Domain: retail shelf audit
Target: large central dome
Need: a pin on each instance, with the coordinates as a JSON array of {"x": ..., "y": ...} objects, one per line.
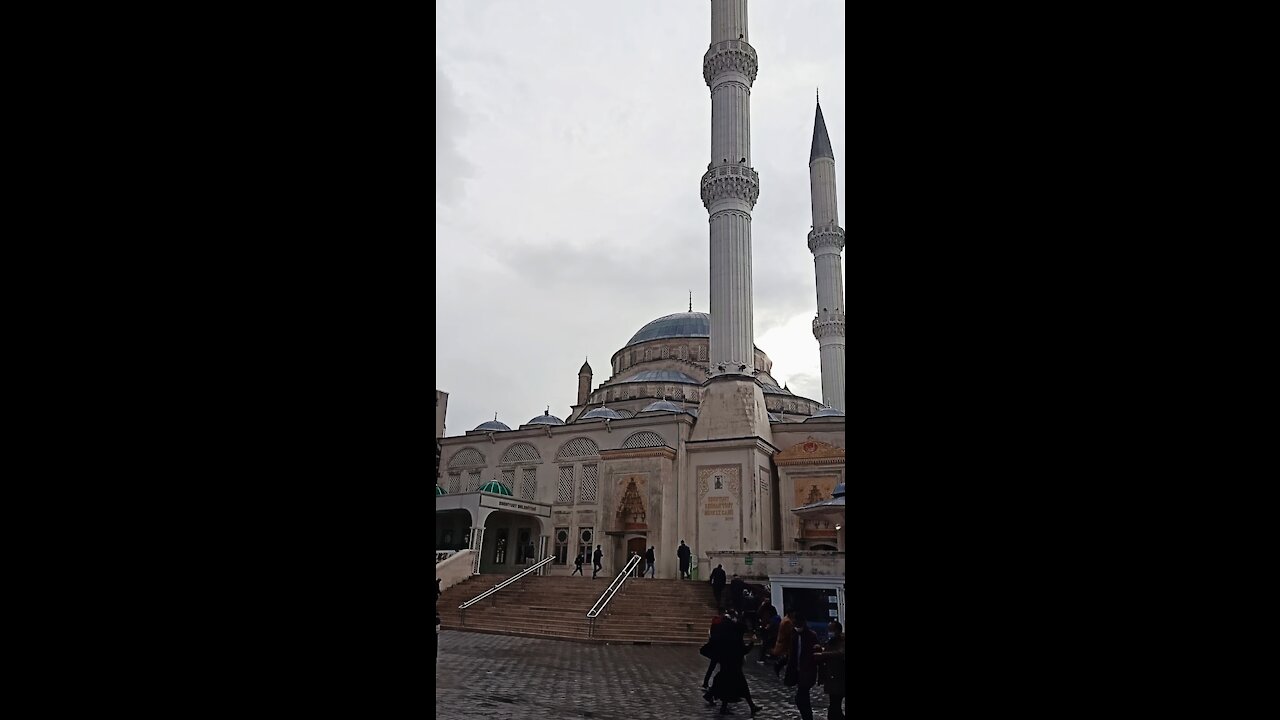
[{"x": 685, "y": 324}]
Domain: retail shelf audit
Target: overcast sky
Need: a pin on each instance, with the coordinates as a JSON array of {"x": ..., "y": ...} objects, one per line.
[{"x": 570, "y": 139}]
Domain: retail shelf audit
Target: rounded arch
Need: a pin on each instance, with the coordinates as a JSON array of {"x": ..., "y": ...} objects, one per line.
[
  {"x": 465, "y": 457},
  {"x": 823, "y": 547},
  {"x": 577, "y": 447},
  {"x": 644, "y": 439},
  {"x": 521, "y": 452}
]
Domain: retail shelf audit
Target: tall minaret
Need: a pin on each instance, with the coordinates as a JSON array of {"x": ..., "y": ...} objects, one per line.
[
  {"x": 826, "y": 240},
  {"x": 730, "y": 188}
]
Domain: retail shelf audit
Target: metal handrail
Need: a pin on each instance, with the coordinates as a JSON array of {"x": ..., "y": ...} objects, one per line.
[
  {"x": 506, "y": 582},
  {"x": 613, "y": 588}
]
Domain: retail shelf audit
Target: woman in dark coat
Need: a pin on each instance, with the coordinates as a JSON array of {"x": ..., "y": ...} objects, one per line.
[{"x": 730, "y": 685}]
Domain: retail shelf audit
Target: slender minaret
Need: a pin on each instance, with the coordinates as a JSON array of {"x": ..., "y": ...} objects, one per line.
[
  {"x": 734, "y": 402},
  {"x": 730, "y": 187},
  {"x": 826, "y": 240}
]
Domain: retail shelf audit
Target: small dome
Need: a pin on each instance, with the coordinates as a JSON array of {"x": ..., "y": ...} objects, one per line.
[
  {"x": 492, "y": 425},
  {"x": 441, "y": 491},
  {"x": 775, "y": 390},
  {"x": 600, "y": 413},
  {"x": 825, "y": 412},
  {"x": 495, "y": 487},
  {"x": 662, "y": 406},
  {"x": 545, "y": 420}
]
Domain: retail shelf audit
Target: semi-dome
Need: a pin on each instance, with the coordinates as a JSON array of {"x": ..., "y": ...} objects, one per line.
[
  {"x": 826, "y": 412},
  {"x": 674, "y": 376},
  {"x": 685, "y": 324},
  {"x": 494, "y": 424},
  {"x": 441, "y": 491},
  {"x": 495, "y": 487},
  {"x": 662, "y": 406},
  {"x": 546, "y": 419},
  {"x": 600, "y": 413}
]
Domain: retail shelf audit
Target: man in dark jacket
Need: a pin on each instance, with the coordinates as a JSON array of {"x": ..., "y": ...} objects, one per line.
[
  {"x": 717, "y": 583},
  {"x": 802, "y": 667},
  {"x": 596, "y": 562},
  {"x": 683, "y": 554},
  {"x": 832, "y": 661},
  {"x": 650, "y": 557},
  {"x": 577, "y": 565}
]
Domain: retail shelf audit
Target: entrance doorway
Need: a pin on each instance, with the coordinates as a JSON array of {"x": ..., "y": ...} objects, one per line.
[{"x": 636, "y": 545}]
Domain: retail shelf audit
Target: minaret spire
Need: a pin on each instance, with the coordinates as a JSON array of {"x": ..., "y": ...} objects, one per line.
[{"x": 826, "y": 241}]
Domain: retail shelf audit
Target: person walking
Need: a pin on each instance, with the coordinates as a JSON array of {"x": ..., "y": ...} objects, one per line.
[
  {"x": 650, "y": 558},
  {"x": 786, "y": 635},
  {"x": 683, "y": 554},
  {"x": 711, "y": 648},
  {"x": 717, "y": 584},
  {"x": 769, "y": 636},
  {"x": 577, "y": 565},
  {"x": 730, "y": 685},
  {"x": 735, "y": 593},
  {"x": 596, "y": 562},
  {"x": 831, "y": 660},
  {"x": 802, "y": 669}
]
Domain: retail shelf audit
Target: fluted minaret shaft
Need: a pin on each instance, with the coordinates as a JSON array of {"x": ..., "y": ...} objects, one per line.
[
  {"x": 826, "y": 240},
  {"x": 730, "y": 187}
]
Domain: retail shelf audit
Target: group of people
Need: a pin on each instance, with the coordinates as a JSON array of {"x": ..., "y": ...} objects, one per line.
[
  {"x": 788, "y": 642},
  {"x": 646, "y": 567}
]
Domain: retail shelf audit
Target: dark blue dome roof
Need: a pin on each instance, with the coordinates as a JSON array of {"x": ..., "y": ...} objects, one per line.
[
  {"x": 492, "y": 425},
  {"x": 685, "y": 324},
  {"x": 545, "y": 420}
]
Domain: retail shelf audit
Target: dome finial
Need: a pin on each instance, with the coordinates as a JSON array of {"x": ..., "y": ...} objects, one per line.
[
  {"x": 690, "y": 301},
  {"x": 548, "y": 412},
  {"x": 495, "y": 416},
  {"x": 816, "y": 97}
]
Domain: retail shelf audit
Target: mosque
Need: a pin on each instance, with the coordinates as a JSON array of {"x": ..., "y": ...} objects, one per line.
[{"x": 690, "y": 438}]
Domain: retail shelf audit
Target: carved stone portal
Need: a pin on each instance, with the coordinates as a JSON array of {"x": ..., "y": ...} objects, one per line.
[{"x": 631, "y": 512}]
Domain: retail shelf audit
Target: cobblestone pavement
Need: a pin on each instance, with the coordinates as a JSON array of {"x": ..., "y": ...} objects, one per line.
[{"x": 498, "y": 676}]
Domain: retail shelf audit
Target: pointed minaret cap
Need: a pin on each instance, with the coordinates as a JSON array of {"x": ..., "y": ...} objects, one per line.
[
  {"x": 821, "y": 147},
  {"x": 585, "y": 369}
]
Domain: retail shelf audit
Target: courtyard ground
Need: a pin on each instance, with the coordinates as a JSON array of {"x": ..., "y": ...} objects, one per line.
[{"x": 504, "y": 677}]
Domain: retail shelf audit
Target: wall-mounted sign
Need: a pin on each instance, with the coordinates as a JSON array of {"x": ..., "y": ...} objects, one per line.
[{"x": 517, "y": 506}]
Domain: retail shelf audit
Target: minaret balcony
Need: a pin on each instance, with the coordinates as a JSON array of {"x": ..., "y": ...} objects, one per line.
[
  {"x": 730, "y": 56},
  {"x": 730, "y": 181},
  {"x": 830, "y": 323},
  {"x": 826, "y": 236}
]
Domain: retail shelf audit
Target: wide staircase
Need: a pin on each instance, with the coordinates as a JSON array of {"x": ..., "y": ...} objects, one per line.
[{"x": 645, "y": 611}]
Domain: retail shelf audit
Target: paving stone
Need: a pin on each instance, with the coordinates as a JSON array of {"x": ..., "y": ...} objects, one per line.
[{"x": 506, "y": 677}]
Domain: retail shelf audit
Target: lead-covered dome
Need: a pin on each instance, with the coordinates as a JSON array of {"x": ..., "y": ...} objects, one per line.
[
  {"x": 600, "y": 413},
  {"x": 825, "y": 413},
  {"x": 546, "y": 419},
  {"x": 492, "y": 425},
  {"x": 662, "y": 406},
  {"x": 685, "y": 324}
]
